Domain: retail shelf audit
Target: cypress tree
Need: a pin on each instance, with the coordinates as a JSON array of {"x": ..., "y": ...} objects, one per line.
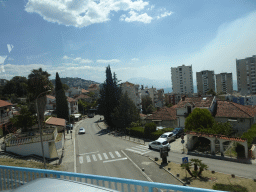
[{"x": 61, "y": 99}]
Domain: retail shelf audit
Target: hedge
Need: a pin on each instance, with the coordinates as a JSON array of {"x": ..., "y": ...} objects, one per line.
[
  {"x": 229, "y": 187},
  {"x": 136, "y": 132}
]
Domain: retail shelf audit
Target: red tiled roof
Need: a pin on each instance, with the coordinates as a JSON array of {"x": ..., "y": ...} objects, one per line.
[
  {"x": 4, "y": 103},
  {"x": 50, "y": 96},
  {"x": 71, "y": 99},
  {"x": 165, "y": 114},
  {"x": 196, "y": 102},
  {"x": 82, "y": 97},
  {"x": 217, "y": 136},
  {"x": 84, "y": 91},
  {"x": 93, "y": 86},
  {"x": 56, "y": 121},
  {"x": 234, "y": 110}
]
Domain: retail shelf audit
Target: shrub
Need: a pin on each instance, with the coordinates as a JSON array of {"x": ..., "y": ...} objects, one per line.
[
  {"x": 149, "y": 128},
  {"x": 136, "y": 132},
  {"x": 250, "y": 135},
  {"x": 229, "y": 187}
]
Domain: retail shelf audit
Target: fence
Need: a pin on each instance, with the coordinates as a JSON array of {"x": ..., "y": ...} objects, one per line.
[{"x": 13, "y": 177}]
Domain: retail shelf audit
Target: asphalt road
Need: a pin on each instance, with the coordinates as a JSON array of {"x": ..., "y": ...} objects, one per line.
[{"x": 100, "y": 154}]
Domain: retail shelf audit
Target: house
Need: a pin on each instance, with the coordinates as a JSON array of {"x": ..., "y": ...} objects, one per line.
[
  {"x": 188, "y": 104},
  {"x": 133, "y": 93},
  {"x": 59, "y": 123},
  {"x": 165, "y": 116},
  {"x": 241, "y": 117},
  {"x": 72, "y": 105},
  {"x": 95, "y": 88},
  {"x": 73, "y": 91},
  {"x": 50, "y": 102},
  {"x": 5, "y": 115},
  {"x": 83, "y": 97}
]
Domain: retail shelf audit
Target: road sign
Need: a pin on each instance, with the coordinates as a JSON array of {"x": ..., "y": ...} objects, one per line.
[
  {"x": 182, "y": 141},
  {"x": 184, "y": 160}
]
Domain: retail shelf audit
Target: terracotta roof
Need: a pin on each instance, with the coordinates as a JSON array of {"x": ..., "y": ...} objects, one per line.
[
  {"x": 196, "y": 102},
  {"x": 50, "y": 96},
  {"x": 56, "y": 121},
  {"x": 127, "y": 83},
  {"x": 84, "y": 91},
  {"x": 165, "y": 114},
  {"x": 71, "y": 99},
  {"x": 82, "y": 97},
  {"x": 217, "y": 136},
  {"x": 93, "y": 86},
  {"x": 4, "y": 103},
  {"x": 230, "y": 109}
]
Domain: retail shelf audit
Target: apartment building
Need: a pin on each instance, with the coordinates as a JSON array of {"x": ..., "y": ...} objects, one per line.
[
  {"x": 182, "y": 79},
  {"x": 205, "y": 81},
  {"x": 246, "y": 82},
  {"x": 224, "y": 83},
  {"x": 133, "y": 93},
  {"x": 151, "y": 92}
]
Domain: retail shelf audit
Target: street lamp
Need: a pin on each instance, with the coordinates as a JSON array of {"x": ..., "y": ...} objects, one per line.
[{"x": 39, "y": 125}]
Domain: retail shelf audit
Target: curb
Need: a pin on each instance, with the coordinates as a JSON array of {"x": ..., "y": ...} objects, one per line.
[{"x": 168, "y": 172}]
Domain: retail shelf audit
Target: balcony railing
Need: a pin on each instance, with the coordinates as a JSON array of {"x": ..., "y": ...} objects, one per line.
[{"x": 13, "y": 177}]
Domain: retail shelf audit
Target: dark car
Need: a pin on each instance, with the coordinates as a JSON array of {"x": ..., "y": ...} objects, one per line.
[{"x": 178, "y": 132}]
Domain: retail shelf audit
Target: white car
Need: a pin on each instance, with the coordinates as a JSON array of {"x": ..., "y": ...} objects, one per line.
[
  {"x": 81, "y": 131},
  {"x": 169, "y": 136},
  {"x": 158, "y": 144}
]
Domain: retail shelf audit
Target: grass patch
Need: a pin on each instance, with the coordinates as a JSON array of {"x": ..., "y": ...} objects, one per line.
[
  {"x": 59, "y": 137},
  {"x": 29, "y": 164},
  {"x": 209, "y": 179}
]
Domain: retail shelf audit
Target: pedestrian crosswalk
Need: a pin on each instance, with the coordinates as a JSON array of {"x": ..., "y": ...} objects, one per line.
[
  {"x": 95, "y": 156},
  {"x": 140, "y": 149}
]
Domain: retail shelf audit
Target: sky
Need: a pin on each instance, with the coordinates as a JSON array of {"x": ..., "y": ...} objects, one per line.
[{"x": 138, "y": 39}]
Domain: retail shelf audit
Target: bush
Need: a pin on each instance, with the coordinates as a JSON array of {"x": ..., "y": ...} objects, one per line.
[
  {"x": 229, "y": 187},
  {"x": 136, "y": 132},
  {"x": 155, "y": 135},
  {"x": 149, "y": 128},
  {"x": 250, "y": 135}
]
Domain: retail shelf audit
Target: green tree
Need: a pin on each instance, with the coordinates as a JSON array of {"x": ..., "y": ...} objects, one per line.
[
  {"x": 61, "y": 99},
  {"x": 211, "y": 92},
  {"x": 150, "y": 109},
  {"x": 110, "y": 94},
  {"x": 125, "y": 113},
  {"x": 199, "y": 119},
  {"x": 25, "y": 120},
  {"x": 38, "y": 85},
  {"x": 65, "y": 87},
  {"x": 17, "y": 85},
  {"x": 197, "y": 165},
  {"x": 146, "y": 102},
  {"x": 149, "y": 128}
]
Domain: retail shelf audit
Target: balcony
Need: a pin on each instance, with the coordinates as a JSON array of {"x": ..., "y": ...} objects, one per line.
[{"x": 14, "y": 177}]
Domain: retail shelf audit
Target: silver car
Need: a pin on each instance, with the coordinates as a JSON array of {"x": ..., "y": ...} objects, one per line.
[
  {"x": 158, "y": 144},
  {"x": 169, "y": 136},
  {"x": 81, "y": 131}
]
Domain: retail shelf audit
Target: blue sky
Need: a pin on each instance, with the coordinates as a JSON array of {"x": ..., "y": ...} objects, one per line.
[{"x": 138, "y": 39}]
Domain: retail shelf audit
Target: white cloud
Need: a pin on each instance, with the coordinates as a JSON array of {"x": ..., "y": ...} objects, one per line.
[
  {"x": 85, "y": 61},
  {"x": 81, "y": 13},
  {"x": 77, "y": 59},
  {"x": 10, "y": 47},
  {"x": 165, "y": 14},
  {"x": 108, "y": 61},
  {"x": 2, "y": 59},
  {"x": 135, "y": 59},
  {"x": 145, "y": 18},
  {"x": 151, "y": 7},
  {"x": 65, "y": 57},
  {"x": 233, "y": 40}
]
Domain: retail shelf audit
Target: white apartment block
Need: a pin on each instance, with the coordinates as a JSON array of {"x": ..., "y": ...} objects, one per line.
[
  {"x": 152, "y": 93},
  {"x": 205, "y": 81},
  {"x": 182, "y": 79},
  {"x": 246, "y": 81},
  {"x": 133, "y": 93},
  {"x": 224, "y": 83}
]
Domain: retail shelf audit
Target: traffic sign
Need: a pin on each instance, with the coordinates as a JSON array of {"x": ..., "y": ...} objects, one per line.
[
  {"x": 182, "y": 141},
  {"x": 184, "y": 160}
]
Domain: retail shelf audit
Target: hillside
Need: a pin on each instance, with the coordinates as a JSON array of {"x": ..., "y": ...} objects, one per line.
[{"x": 76, "y": 82}]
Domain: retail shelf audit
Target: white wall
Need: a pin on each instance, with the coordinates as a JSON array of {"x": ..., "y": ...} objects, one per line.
[{"x": 31, "y": 148}]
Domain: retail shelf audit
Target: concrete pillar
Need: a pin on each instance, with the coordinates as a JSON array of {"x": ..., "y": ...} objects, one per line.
[
  {"x": 212, "y": 145},
  {"x": 221, "y": 147}
]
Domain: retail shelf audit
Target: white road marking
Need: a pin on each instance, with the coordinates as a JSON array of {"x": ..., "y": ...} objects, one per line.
[
  {"x": 145, "y": 152},
  {"x": 114, "y": 160},
  {"x": 140, "y": 146},
  {"x": 118, "y": 154},
  {"x": 105, "y": 155},
  {"x": 100, "y": 157},
  {"x": 88, "y": 159},
  {"x": 94, "y": 157},
  {"x": 89, "y": 153},
  {"x": 81, "y": 159},
  {"x": 111, "y": 155},
  {"x": 135, "y": 151}
]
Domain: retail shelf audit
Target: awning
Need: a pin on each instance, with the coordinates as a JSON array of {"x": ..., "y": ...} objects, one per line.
[{"x": 77, "y": 115}]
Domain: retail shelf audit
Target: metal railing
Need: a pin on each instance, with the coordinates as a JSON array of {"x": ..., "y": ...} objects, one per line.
[{"x": 13, "y": 177}]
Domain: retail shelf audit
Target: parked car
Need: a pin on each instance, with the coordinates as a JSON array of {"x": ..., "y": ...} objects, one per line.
[
  {"x": 160, "y": 127},
  {"x": 91, "y": 115},
  {"x": 81, "y": 131},
  {"x": 169, "y": 136},
  {"x": 158, "y": 144},
  {"x": 178, "y": 132}
]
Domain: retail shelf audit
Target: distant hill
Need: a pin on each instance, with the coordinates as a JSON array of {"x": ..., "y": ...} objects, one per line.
[{"x": 76, "y": 82}]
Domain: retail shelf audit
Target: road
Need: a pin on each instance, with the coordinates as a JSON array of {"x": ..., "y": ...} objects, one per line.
[{"x": 100, "y": 154}]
